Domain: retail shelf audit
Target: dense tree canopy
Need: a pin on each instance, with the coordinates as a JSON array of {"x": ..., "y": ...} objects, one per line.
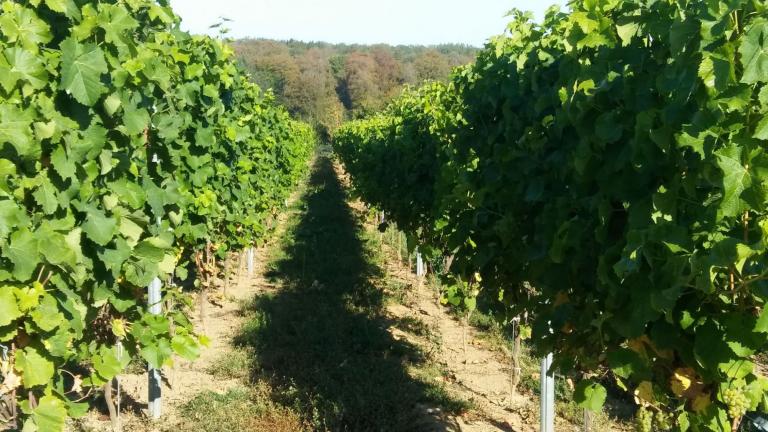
[{"x": 326, "y": 83}]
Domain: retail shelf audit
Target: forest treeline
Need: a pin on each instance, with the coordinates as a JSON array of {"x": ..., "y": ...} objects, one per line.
[{"x": 327, "y": 83}]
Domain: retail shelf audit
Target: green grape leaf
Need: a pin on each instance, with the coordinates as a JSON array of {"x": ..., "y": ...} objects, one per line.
[
  {"x": 761, "y": 326},
  {"x": 61, "y": 250},
  {"x": 607, "y": 128},
  {"x": 50, "y": 414},
  {"x": 737, "y": 369},
  {"x": 89, "y": 145},
  {"x": 626, "y": 363},
  {"x": 136, "y": 120},
  {"x": 590, "y": 395},
  {"x": 152, "y": 249},
  {"x": 47, "y": 315},
  {"x": 156, "y": 355},
  {"x": 761, "y": 131},
  {"x": 45, "y": 195},
  {"x": 99, "y": 227},
  {"x": 26, "y": 66},
  {"x": 82, "y": 66},
  {"x": 112, "y": 103},
  {"x": 59, "y": 6},
  {"x": 108, "y": 364},
  {"x": 9, "y": 309},
  {"x": 23, "y": 251},
  {"x": 62, "y": 165},
  {"x": 186, "y": 346},
  {"x": 29, "y": 297},
  {"x": 15, "y": 129},
  {"x": 11, "y": 216},
  {"x": 754, "y": 52},
  {"x": 710, "y": 348},
  {"x": 34, "y": 369},
  {"x": 129, "y": 192},
  {"x": 716, "y": 72},
  {"x": 22, "y": 25},
  {"x": 60, "y": 343},
  {"x": 117, "y": 23},
  {"x": 736, "y": 179}
]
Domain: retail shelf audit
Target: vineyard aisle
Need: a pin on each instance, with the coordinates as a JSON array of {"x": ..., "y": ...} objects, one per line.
[{"x": 332, "y": 332}]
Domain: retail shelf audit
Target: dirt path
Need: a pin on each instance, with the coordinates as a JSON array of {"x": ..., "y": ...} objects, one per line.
[
  {"x": 472, "y": 371},
  {"x": 416, "y": 346}
]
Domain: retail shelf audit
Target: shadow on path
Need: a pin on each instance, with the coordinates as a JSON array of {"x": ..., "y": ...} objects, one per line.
[{"x": 322, "y": 340}]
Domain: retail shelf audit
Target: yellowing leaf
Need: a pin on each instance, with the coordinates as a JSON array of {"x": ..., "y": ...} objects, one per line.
[
  {"x": 681, "y": 380},
  {"x": 644, "y": 393},
  {"x": 701, "y": 402}
]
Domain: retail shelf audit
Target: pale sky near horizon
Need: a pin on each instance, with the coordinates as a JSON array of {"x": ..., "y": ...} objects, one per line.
[{"x": 421, "y": 22}]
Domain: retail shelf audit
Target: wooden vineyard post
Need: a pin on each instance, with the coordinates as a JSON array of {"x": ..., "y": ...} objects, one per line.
[
  {"x": 155, "y": 390},
  {"x": 547, "y": 395}
]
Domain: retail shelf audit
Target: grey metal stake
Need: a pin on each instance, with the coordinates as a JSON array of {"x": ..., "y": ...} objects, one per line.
[
  {"x": 419, "y": 264},
  {"x": 251, "y": 254},
  {"x": 155, "y": 389},
  {"x": 547, "y": 395}
]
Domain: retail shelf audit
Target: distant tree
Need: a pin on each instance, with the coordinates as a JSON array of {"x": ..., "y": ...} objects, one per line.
[
  {"x": 432, "y": 65},
  {"x": 314, "y": 95},
  {"x": 271, "y": 66},
  {"x": 389, "y": 72},
  {"x": 360, "y": 82}
]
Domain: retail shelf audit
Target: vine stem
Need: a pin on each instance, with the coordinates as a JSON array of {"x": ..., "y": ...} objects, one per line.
[
  {"x": 203, "y": 287},
  {"x": 732, "y": 282},
  {"x": 240, "y": 265},
  {"x": 745, "y": 226},
  {"x": 735, "y": 425},
  {"x": 227, "y": 265},
  {"x": 516, "y": 370},
  {"x": 107, "y": 388}
]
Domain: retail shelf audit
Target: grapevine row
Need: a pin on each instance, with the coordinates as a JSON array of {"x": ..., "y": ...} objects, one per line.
[
  {"x": 603, "y": 172},
  {"x": 129, "y": 150}
]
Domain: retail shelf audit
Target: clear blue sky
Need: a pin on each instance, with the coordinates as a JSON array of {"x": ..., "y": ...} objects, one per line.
[{"x": 359, "y": 21}]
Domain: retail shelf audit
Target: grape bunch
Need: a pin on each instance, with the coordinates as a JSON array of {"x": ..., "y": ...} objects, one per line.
[
  {"x": 737, "y": 402},
  {"x": 644, "y": 420},
  {"x": 662, "y": 421}
]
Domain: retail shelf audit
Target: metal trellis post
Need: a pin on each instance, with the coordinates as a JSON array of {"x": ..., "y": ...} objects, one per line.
[
  {"x": 155, "y": 389},
  {"x": 547, "y": 395},
  {"x": 251, "y": 257}
]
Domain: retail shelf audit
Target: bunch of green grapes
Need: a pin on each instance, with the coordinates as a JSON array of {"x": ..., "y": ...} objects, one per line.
[
  {"x": 663, "y": 421},
  {"x": 644, "y": 420},
  {"x": 737, "y": 402}
]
